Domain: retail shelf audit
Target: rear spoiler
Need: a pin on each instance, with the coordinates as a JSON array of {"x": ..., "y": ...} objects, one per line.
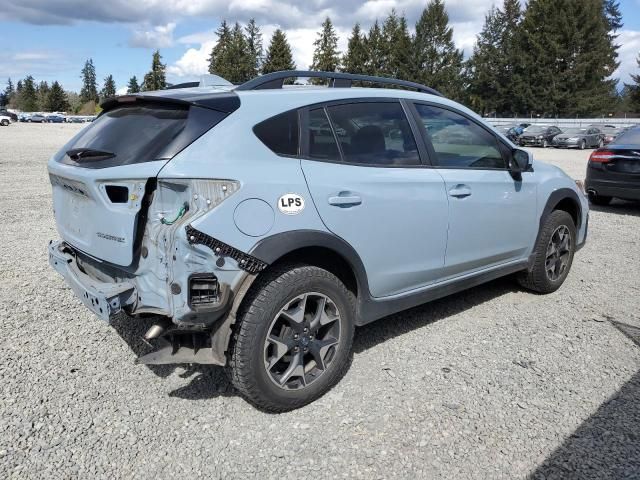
[{"x": 223, "y": 101}]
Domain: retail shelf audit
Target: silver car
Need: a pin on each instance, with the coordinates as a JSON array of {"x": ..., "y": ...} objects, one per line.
[{"x": 583, "y": 137}]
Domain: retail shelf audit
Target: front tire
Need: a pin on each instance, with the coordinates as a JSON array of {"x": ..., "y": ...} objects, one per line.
[
  {"x": 545, "y": 144},
  {"x": 583, "y": 145},
  {"x": 293, "y": 339},
  {"x": 553, "y": 254}
]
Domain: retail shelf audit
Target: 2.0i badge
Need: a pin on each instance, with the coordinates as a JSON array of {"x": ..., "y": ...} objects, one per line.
[{"x": 291, "y": 204}]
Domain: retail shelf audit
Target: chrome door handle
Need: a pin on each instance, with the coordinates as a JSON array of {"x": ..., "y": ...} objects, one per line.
[
  {"x": 345, "y": 200},
  {"x": 460, "y": 191}
]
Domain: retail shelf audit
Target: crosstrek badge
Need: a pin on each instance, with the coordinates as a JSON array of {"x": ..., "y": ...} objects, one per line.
[{"x": 291, "y": 204}]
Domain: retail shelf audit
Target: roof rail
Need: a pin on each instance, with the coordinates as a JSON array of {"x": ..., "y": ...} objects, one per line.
[{"x": 276, "y": 80}]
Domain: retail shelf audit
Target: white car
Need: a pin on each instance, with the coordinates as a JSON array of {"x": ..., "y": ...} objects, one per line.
[{"x": 5, "y": 120}]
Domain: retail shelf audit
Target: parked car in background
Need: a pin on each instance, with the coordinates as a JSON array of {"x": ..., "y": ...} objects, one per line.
[
  {"x": 579, "y": 137},
  {"x": 23, "y": 117},
  {"x": 614, "y": 171},
  {"x": 611, "y": 134},
  {"x": 37, "y": 118},
  {"x": 5, "y": 120},
  {"x": 538, "y": 136},
  {"x": 512, "y": 132},
  {"x": 54, "y": 118},
  {"x": 75, "y": 119},
  {"x": 12, "y": 116}
]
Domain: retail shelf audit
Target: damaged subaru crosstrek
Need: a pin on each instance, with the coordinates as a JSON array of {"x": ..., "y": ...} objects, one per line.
[{"x": 260, "y": 225}]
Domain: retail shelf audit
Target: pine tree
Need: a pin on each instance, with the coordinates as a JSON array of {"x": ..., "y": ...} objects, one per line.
[
  {"x": 89, "y": 90},
  {"x": 437, "y": 61},
  {"x": 133, "y": 86},
  {"x": 156, "y": 78},
  {"x": 634, "y": 90},
  {"x": 42, "y": 92},
  {"x": 612, "y": 14},
  {"x": 375, "y": 51},
  {"x": 9, "y": 92},
  {"x": 109, "y": 88},
  {"x": 240, "y": 63},
  {"x": 570, "y": 58},
  {"x": 494, "y": 82},
  {"x": 57, "y": 100},
  {"x": 356, "y": 58},
  {"x": 254, "y": 48},
  {"x": 220, "y": 60},
  {"x": 396, "y": 47},
  {"x": 326, "y": 57},
  {"x": 28, "y": 98},
  {"x": 278, "y": 55}
]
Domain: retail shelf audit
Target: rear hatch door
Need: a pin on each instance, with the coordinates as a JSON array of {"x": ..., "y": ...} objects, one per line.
[{"x": 100, "y": 178}]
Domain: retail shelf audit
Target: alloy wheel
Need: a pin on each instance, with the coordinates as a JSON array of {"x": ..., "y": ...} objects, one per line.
[
  {"x": 558, "y": 253},
  {"x": 302, "y": 341}
]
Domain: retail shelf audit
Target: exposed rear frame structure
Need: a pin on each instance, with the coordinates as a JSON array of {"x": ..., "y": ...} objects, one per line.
[{"x": 276, "y": 80}]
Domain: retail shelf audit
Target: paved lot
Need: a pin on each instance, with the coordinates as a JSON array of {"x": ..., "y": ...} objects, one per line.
[{"x": 490, "y": 383}]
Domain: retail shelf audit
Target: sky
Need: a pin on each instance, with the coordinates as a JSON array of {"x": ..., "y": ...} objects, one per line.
[{"x": 51, "y": 39}]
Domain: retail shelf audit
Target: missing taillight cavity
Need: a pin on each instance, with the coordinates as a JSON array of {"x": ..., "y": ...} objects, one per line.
[{"x": 117, "y": 193}]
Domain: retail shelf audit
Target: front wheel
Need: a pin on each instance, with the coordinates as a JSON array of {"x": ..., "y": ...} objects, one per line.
[
  {"x": 545, "y": 144},
  {"x": 583, "y": 145},
  {"x": 553, "y": 254},
  {"x": 293, "y": 339},
  {"x": 5, "y": 123}
]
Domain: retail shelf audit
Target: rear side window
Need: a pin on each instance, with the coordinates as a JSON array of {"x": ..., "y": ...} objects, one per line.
[
  {"x": 374, "y": 134},
  {"x": 458, "y": 142},
  {"x": 138, "y": 132},
  {"x": 280, "y": 133},
  {"x": 322, "y": 143}
]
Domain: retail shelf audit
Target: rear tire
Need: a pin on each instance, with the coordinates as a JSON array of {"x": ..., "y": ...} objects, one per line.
[
  {"x": 553, "y": 254},
  {"x": 5, "y": 123},
  {"x": 293, "y": 339},
  {"x": 600, "y": 200}
]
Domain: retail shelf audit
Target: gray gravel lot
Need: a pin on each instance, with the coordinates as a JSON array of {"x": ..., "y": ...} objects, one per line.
[{"x": 490, "y": 383}]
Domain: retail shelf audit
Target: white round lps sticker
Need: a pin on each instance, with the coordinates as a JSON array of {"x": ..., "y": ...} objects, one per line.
[{"x": 291, "y": 204}]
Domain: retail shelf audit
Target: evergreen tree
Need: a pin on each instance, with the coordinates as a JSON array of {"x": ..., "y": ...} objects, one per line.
[
  {"x": 156, "y": 78},
  {"x": 9, "y": 92},
  {"x": 28, "y": 98},
  {"x": 279, "y": 55},
  {"x": 396, "y": 47},
  {"x": 612, "y": 14},
  {"x": 633, "y": 90},
  {"x": 109, "y": 88},
  {"x": 375, "y": 51},
  {"x": 220, "y": 60},
  {"x": 240, "y": 64},
  {"x": 42, "y": 92},
  {"x": 254, "y": 48},
  {"x": 326, "y": 57},
  {"x": 133, "y": 86},
  {"x": 356, "y": 58},
  {"x": 89, "y": 90},
  {"x": 570, "y": 58},
  {"x": 437, "y": 61},
  {"x": 495, "y": 84},
  {"x": 57, "y": 100}
]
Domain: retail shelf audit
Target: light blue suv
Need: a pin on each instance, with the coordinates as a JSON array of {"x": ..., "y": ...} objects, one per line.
[{"x": 262, "y": 224}]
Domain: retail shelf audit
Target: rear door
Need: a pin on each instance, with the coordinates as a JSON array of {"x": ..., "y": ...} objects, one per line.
[
  {"x": 492, "y": 217},
  {"x": 100, "y": 177},
  {"x": 365, "y": 175}
]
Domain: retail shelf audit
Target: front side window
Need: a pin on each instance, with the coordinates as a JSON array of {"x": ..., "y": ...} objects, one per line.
[
  {"x": 376, "y": 134},
  {"x": 280, "y": 133},
  {"x": 458, "y": 142}
]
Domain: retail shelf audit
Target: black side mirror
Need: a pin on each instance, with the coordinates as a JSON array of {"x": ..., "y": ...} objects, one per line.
[{"x": 519, "y": 162}]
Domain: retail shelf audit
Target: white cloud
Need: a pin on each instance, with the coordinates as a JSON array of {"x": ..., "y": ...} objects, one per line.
[
  {"x": 629, "y": 41},
  {"x": 160, "y": 36},
  {"x": 193, "y": 62},
  {"x": 121, "y": 91}
]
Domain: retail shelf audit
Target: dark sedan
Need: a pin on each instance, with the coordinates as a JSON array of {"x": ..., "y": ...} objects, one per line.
[
  {"x": 581, "y": 138},
  {"x": 614, "y": 171},
  {"x": 538, "y": 136}
]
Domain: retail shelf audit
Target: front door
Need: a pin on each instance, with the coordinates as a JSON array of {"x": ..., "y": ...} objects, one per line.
[{"x": 492, "y": 217}]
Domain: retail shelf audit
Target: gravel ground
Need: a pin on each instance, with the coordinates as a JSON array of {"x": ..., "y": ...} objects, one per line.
[{"x": 490, "y": 383}]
